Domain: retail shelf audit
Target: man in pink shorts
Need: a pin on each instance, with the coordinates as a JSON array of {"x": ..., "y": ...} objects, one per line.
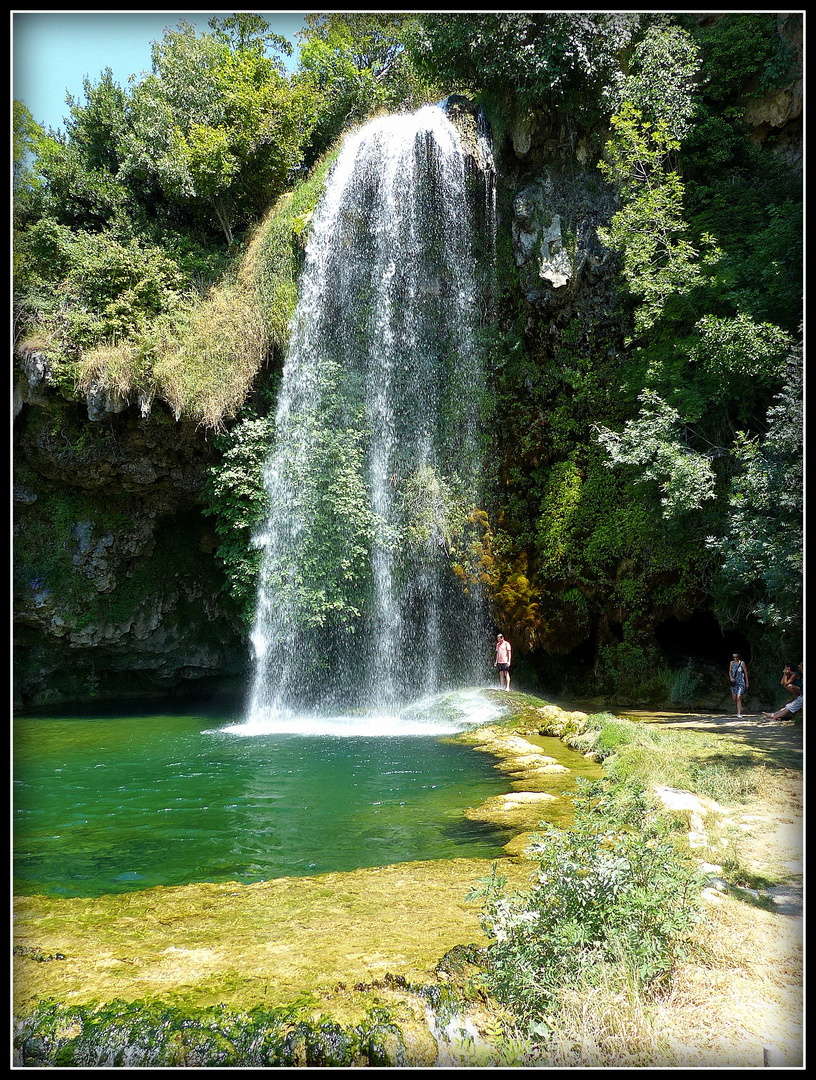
[{"x": 502, "y": 662}]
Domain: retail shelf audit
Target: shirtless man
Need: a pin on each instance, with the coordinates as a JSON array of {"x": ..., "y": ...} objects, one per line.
[
  {"x": 795, "y": 706},
  {"x": 792, "y": 682},
  {"x": 503, "y": 653}
]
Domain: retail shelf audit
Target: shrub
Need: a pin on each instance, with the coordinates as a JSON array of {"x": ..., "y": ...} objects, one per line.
[
  {"x": 681, "y": 686},
  {"x": 613, "y": 893}
]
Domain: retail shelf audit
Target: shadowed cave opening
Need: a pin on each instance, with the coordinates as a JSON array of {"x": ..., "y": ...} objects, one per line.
[{"x": 701, "y": 639}]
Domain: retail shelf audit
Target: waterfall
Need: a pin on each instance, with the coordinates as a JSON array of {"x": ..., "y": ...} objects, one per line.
[{"x": 376, "y": 459}]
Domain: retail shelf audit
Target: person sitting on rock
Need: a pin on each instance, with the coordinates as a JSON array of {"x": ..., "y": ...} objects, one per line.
[
  {"x": 793, "y": 707},
  {"x": 792, "y": 682}
]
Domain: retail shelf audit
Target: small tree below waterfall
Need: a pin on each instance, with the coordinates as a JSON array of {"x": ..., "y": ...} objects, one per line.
[{"x": 236, "y": 499}]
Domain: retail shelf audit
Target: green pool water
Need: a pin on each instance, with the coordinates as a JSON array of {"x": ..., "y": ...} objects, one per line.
[{"x": 105, "y": 804}]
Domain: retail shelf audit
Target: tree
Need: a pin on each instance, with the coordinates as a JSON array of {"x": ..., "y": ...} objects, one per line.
[
  {"x": 236, "y": 498},
  {"x": 662, "y": 79},
  {"x": 373, "y": 42},
  {"x": 692, "y": 357},
  {"x": 26, "y": 134},
  {"x": 650, "y": 231},
  {"x": 530, "y": 60},
  {"x": 246, "y": 32},
  {"x": 654, "y": 445},
  {"x": 77, "y": 172},
  {"x": 96, "y": 126},
  {"x": 761, "y": 550},
  {"x": 216, "y": 127},
  {"x": 358, "y": 62}
]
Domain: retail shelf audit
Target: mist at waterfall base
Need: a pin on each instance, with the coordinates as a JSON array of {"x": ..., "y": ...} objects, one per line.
[{"x": 377, "y": 457}]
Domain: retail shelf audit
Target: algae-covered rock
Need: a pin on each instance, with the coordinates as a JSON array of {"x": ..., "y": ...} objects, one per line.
[
  {"x": 517, "y": 810},
  {"x": 147, "y": 1034}
]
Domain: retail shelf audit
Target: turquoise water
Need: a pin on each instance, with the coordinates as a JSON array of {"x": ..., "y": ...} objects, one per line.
[{"x": 107, "y": 804}]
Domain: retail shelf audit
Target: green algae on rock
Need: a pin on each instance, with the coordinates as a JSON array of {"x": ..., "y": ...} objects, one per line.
[
  {"x": 542, "y": 749},
  {"x": 138, "y": 1034}
]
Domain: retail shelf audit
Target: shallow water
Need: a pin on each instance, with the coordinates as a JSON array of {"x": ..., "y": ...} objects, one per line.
[{"x": 112, "y": 803}]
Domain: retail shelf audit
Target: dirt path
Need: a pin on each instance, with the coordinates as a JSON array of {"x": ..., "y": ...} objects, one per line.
[{"x": 752, "y": 728}]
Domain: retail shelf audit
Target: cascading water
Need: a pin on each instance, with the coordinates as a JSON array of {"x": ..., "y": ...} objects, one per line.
[{"x": 376, "y": 458}]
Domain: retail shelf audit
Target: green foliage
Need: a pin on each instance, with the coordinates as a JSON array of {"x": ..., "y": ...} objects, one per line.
[
  {"x": 75, "y": 173},
  {"x": 91, "y": 288},
  {"x": 682, "y": 685},
  {"x": 247, "y": 32},
  {"x": 742, "y": 53},
  {"x": 650, "y": 231},
  {"x": 614, "y": 893},
  {"x": 709, "y": 356},
  {"x": 236, "y": 498},
  {"x": 630, "y": 668},
  {"x": 359, "y": 63},
  {"x": 738, "y": 357},
  {"x": 434, "y": 513},
  {"x": 529, "y": 60},
  {"x": 371, "y": 42},
  {"x": 558, "y": 509},
  {"x": 761, "y": 550},
  {"x": 736, "y": 190},
  {"x": 26, "y": 136},
  {"x": 138, "y": 324},
  {"x": 661, "y": 81},
  {"x": 215, "y": 126},
  {"x": 325, "y": 578},
  {"x": 278, "y": 250},
  {"x": 767, "y": 281},
  {"x": 653, "y": 445},
  {"x": 211, "y": 135},
  {"x": 110, "y": 249}
]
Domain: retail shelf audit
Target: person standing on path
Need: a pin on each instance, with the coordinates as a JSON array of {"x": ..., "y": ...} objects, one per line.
[
  {"x": 504, "y": 651},
  {"x": 738, "y": 677}
]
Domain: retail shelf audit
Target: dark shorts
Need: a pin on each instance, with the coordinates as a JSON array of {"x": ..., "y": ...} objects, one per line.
[{"x": 503, "y": 667}]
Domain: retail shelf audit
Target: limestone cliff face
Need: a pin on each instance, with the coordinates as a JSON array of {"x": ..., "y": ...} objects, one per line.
[
  {"x": 116, "y": 587},
  {"x": 775, "y": 117}
]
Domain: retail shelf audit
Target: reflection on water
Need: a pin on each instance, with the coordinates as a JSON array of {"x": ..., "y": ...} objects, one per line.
[{"x": 107, "y": 804}]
